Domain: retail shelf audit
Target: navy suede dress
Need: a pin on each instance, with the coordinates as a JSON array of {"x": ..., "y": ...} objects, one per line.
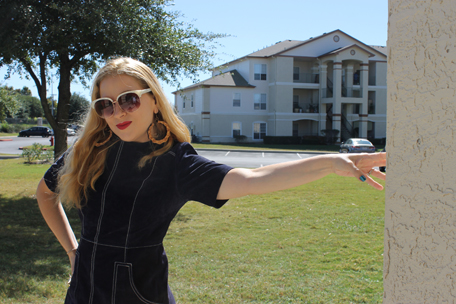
[{"x": 120, "y": 258}]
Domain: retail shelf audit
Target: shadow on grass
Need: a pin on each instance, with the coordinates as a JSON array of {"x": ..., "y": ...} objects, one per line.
[{"x": 30, "y": 255}]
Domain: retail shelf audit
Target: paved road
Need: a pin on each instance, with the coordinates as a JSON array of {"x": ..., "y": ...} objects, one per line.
[
  {"x": 246, "y": 159},
  {"x": 240, "y": 159},
  {"x": 12, "y": 147}
]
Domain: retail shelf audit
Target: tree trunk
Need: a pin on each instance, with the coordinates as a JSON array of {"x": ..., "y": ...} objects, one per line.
[{"x": 63, "y": 106}]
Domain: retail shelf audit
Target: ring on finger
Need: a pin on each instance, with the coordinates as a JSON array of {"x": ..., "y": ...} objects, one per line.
[{"x": 370, "y": 172}]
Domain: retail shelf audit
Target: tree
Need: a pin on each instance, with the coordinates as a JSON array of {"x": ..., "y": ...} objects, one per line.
[
  {"x": 76, "y": 36},
  {"x": 79, "y": 106},
  {"x": 30, "y": 106},
  {"x": 8, "y": 103}
]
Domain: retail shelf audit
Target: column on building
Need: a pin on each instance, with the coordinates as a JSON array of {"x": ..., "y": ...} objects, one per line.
[
  {"x": 349, "y": 78},
  {"x": 363, "y": 116},
  {"x": 323, "y": 77},
  {"x": 206, "y": 116},
  {"x": 337, "y": 93}
]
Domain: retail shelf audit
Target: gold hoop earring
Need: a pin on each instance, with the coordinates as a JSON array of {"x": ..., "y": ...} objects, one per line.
[
  {"x": 102, "y": 143},
  {"x": 164, "y": 139}
]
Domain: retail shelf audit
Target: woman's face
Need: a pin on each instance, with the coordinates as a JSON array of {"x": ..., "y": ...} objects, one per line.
[{"x": 129, "y": 126}]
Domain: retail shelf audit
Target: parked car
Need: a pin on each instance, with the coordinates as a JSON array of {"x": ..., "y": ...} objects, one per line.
[
  {"x": 357, "y": 145},
  {"x": 71, "y": 132},
  {"x": 36, "y": 131}
]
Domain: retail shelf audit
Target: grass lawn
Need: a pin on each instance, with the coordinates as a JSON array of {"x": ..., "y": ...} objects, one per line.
[{"x": 318, "y": 243}]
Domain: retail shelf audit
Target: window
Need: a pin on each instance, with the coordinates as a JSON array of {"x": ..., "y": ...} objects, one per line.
[
  {"x": 259, "y": 102},
  {"x": 259, "y": 130},
  {"x": 236, "y": 99},
  {"x": 183, "y": 103},
  {"x": 296, "y": 73},
  {"x": 260, "y": 72},
  {"x": 236, "y": 129},
  {"x": 191, "y": 101}
]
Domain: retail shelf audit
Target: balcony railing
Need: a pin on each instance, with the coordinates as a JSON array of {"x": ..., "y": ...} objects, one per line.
[
  {"x": 326, "y": 93},
  {"x": 305, "y": 108},
  {"x": 306, "y": 78},
  {"x": 351, "y": 92}
]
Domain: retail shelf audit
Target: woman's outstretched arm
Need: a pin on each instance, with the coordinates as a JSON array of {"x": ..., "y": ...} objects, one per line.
[
  {"x": 55, "y": 217},
  {"x": 239, "y": 182}
]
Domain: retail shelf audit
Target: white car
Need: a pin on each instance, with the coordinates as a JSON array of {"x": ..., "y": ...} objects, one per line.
[
  {"x": 357, "y": 145},
  {"x": 71, "y": 132}
]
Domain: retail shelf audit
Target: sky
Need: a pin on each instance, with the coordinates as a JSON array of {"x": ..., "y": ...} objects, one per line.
[{"x": 256, "y": 24}]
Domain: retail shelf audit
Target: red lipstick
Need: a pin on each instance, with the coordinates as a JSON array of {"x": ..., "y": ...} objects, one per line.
[{"x": 123, "y": 125}]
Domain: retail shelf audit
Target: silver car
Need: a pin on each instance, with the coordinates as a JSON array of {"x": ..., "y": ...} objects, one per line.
[{"x": 357, "y": 145}]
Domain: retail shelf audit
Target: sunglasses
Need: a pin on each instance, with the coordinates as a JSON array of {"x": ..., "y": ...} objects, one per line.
[{"x": 128, "y": 102}]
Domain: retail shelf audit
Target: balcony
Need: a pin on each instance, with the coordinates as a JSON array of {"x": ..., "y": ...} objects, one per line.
[
  {"x": 354, "y": 92},
  {"x": 305, "y": 108},
  {"x": 306, "y": 78}
]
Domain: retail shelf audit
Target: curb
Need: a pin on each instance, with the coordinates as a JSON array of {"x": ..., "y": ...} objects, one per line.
[
  {"x": 22, "y": 148},
  {"x": 9, "y": 156}
]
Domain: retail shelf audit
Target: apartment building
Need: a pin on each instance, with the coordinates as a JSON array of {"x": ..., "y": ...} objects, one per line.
[{"x": 292, "y": 88}]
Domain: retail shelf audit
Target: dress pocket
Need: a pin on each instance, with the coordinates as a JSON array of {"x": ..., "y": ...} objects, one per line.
[
  {"x": 74, "y": 276},
  {"x": 124, "y": 289}
]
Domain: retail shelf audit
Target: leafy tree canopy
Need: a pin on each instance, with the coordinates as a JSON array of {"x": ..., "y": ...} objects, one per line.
[
  {"x": 76, "y": 36},
  {"x": 79, "y": 106},
  {"x": 8, "y": 103}
]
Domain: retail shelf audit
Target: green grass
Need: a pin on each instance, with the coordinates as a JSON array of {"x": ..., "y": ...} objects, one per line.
[{"x": 318, "y": 243}]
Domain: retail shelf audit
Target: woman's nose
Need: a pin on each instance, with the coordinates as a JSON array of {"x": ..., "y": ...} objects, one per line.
[{"x": 118, "y": 111}]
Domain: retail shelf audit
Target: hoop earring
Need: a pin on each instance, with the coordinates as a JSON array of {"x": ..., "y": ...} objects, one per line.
[
  {"x": 102, "y": 143},
  {"x": 164, "y": 139}
]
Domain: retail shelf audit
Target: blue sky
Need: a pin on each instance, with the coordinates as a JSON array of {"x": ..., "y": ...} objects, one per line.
[{"x": 255, "y": 24}]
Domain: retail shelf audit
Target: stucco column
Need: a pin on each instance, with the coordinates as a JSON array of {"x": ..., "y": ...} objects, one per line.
[
  {"x": 337, "y": 92},
  {"x": 364, "y": 79},
  {"x": 337, "y": 80},
  {"x": 349, "y": 77},
  {"x": 206, "y": 117},
  {"x": 420, "y": 209},
  {"x": 323, "y": 77}
]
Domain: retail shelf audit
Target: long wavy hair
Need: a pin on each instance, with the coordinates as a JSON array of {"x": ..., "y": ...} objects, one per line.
[{"x": 84, "y": 162}]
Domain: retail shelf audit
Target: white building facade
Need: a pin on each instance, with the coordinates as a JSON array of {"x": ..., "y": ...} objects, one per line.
[{"x": 293, "y": 88}]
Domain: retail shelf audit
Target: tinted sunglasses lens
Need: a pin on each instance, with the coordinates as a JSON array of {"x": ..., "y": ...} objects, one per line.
[
  {"x": 104, "y": 107},
  {"x": 129, "y": 102}
]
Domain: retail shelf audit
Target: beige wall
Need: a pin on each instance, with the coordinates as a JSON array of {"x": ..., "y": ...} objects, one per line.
[{"x": 420, "y": 215}]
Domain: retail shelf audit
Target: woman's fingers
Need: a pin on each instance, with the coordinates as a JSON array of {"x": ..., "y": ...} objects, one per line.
[{"x": 376, "y": 173}]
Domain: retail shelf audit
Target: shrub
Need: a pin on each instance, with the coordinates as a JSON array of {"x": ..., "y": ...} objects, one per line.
[
  {"x": 37, "y": 153},
  {"x": 240, "y": 138},
  {"x": 4, "y": 128},
  {"x": 331, "y": 135}
]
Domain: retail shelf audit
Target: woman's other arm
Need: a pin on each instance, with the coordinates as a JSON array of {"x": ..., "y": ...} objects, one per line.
[
  {"x": 55, "y": 217},
  {"x": 239, "y": 182}
]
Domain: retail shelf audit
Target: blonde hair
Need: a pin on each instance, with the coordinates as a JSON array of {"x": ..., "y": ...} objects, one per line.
[{"x": 84, "y": 163}]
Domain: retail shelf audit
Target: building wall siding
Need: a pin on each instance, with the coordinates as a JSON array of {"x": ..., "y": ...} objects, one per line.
[{"x": 420, "y": 215}]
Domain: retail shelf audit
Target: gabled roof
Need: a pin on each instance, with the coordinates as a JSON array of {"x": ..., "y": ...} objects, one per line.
[
  {"x": 276, "y": 48},
  {"x": 341, "y": 49},
  {"x": 286, "y": 45},
  {"x": 228, "y": 79},
  {"x": 381, "y": 49}
]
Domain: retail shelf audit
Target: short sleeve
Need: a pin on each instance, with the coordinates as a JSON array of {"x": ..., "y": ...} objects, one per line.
[
  {"x": 51, "y": 175},
  {"x": 198, "y": 178}
]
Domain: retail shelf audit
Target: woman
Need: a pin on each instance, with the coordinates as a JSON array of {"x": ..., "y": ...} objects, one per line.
[{"x": 131, "y": 171}]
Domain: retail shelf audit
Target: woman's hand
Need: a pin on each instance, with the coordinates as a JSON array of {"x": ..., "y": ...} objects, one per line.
[
  {"x": 72, "y": 257},
  {"x": 361, "y": 166}
]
